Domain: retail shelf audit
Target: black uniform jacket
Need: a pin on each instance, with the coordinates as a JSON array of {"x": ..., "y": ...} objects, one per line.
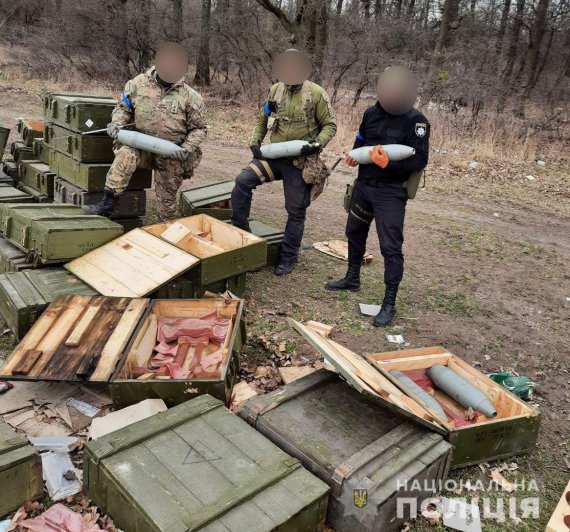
[{"x": 379, "y": 127}]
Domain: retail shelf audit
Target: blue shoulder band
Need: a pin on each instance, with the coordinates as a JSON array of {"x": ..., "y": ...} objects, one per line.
[
  {"x": 266, "y": 109},
  {"x": 360, "y": 137},
  {"x": 127, "y": 102}
]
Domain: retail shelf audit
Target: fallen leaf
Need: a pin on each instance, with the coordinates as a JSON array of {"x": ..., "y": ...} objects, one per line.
[{"x": 501, "y": 481}]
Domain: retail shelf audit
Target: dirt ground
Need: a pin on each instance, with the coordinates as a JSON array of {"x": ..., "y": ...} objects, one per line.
[{"x": 487, "y": 277}]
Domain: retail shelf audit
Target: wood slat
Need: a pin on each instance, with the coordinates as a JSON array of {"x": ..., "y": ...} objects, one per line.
[
  {"x": 27, "y": 363},
  {"x": 82, "y": 325}
]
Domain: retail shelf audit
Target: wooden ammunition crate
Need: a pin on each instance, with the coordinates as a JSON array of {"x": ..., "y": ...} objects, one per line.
[
  {"x": 36, "y": 195},
  {"x": 78, "y": 112},
  {"x": 38, "y": 176},
  {"x": 55, "y": 233},
  {"x": 272, "y": 236},
  {"x": 25, "y": 295},
  {"x": 354, "y": 446},
  {"x": 513, "y": 431},
  {"x": 213, "y": 200},
  {"x": 5, "y": 179},
  {"x": 128, "y": 224},
  {"x": 107, "y": 339},
  {"x": 131, "y": 203},
  {"x": 12, "y": 258},
  {"x": 181, "y": 288},
  {"x": 30, "y": 129},
  {"x": 83, "y": 148},
  {"x": 10, "y": 194},
  {"x": 143, "y": 260},
  {"x": 41, "y": 151},
  {"x": 20, "y": 152},
  {"x": 20, "y": 471},
  {"x": 10, "y": 168},
  {"x": 91, "y": 177},
  {"x": 4, "y": 134},
  {"x": 199, "y": 467}
]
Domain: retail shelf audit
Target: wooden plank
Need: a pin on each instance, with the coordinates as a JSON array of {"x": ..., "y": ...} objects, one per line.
[
  {"x": 292, "y": 373},
  {"x": 560, "y": 522},
  {"x": 82, "y": 325},
  {"x": 118, "y": 341},
  {"x": 30, "y": 358},
  {"x": 175, "y": 233},
  {"x": 322, "y": 328},
  {"x": 147, "y": 343}
]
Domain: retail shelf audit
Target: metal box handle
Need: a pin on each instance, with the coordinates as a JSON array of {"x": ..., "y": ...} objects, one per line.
[
  {"x": 25, "y": 236},
  {"x": 67, "y": 113},
  {"x": 7, "y": 222},
  {"x": 69, "y": 144}
]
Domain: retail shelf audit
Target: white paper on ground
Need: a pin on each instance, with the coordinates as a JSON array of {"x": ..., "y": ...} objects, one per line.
[
  {"x": 54, "y": 466},
  {"x": 395, "y": 338},
  {"x": 53, "y": 443},
  {"x": 127, "y": 416},
  {"x": 369, "y": 310},
  {"x": 461, "y": 515},
  {"x": 83, "y": 407}
]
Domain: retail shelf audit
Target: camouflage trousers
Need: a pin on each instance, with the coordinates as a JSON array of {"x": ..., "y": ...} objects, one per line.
[{"x": 168, "y": 176}]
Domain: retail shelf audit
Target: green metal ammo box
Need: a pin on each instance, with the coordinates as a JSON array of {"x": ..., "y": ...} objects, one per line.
[
  {"x": 20, "y": 152},
  {"x": 10, "y": 194},
  {"x": 4, "y": 134},
  {"x": 131, "y": 203},
  {"x": 25, "y": 295},
  {"x": 182, "y": 288},
  {"x": 513, "y": 431},
  {"x": 91, "y": 177},
  {"x": 78, "y": 112},
  {"x": 20, "y": 471},
  {"x": 112, "y": 339},
  {"x": 10, "y": 168},
  {"x": 213, "y": 200},
  {"x": 272, "y": 235},
  {"x": 354, "y": 446},
  {"x": 200, "y": 467},
  {"x": 12, "y": 258},
  {"x": 55, "y": 233},
  {"x": 30, "y": 129},
  {"x": 37, "y": 175},
  {"x": 5, "y": 179},
  {"x": 41, "y": 151},
  {"x": 82, "y": 148},
  {"x": 37, "y": 196}
]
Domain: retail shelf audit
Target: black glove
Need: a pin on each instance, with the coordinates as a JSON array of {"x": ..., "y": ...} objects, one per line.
[
  {"x": 309, "y": 149},
  {"x": 270, "y": 107},
  {"x": 256, "y": 152}
]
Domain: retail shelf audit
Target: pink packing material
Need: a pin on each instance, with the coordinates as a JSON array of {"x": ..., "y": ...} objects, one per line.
[
  {"x": 187, "y": 327},
  {"x": 157, "y": 361},
  {"x": 176, "y": 371},
  {"x": 58, "y": 519},
  {"x": 210, "y": 360},
  {"x": 166, "y": 349}
]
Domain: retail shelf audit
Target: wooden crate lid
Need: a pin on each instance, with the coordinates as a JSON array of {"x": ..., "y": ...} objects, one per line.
[
  {"x": 366, "y": 379},
  {"x": 207, "y": 194},
  {"x": 56, "y": 282},
  {"x": 197, "y": 466},
  {"x": 9, "y": 439},
  {"x": 77, "y": 338},
  {"x": 269, "y": 233},
  {"x": 133, "y": 265},
  {"x": 14, "y": 449}
]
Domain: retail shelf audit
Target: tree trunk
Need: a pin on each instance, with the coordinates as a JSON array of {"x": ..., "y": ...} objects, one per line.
[
  {"x": 321, "y": 40},
  {"x": 177, "y": 20},
  {"x": 339, "y": 7},
  {"x": 448, "y": 19},
  {"x": 502, "y": 27},
  {"x": 366, "y": 5},
  {"x": 202, "y": 76}
]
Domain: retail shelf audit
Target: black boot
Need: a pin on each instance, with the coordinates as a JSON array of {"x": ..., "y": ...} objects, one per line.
[
  {"x": 388, "y": 311},
  {"x": 351, "y": 280},
  {"x": 106, "y": 206},
  {"x": 283, "y": 268}
]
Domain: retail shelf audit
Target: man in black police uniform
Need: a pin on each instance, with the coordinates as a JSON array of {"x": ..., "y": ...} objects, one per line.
[{"x": 379, "y": 191}]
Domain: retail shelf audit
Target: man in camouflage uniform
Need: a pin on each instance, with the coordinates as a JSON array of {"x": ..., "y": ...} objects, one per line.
[
  {"x": 295, "y": 109},
  {"x": 160, "y": 104}
]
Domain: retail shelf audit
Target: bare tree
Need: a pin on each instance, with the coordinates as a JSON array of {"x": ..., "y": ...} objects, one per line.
[
  {"x": 202, "y": 76},
  {"x": 448, "y": 19}
]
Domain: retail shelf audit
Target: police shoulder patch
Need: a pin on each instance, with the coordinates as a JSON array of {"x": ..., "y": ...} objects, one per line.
[{"x": 421, "y": 129}]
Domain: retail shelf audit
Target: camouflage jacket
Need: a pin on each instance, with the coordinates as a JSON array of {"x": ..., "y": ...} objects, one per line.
[
  {"x": 304, "y": 112},
  {"x": 175, "y": 114}
]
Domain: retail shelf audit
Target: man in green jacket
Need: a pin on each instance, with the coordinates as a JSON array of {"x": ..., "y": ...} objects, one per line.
[{"x": 295, "y": 109}]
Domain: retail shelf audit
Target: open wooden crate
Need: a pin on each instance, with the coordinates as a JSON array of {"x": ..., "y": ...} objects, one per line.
[
  {"x": 514, "y": 430},
  {"x": 98, "y": 338},
  {"x": 223, "y": 250}
]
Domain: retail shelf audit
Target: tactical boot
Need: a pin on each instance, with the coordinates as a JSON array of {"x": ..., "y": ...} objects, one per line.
[
  {"x": 106, "y": 206},
  {"x": 283, "y": 268},
  {"x": 351, "y": 280},
  {"x": 388, "y": 311}
]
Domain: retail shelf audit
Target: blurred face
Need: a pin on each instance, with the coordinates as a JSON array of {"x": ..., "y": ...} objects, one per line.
[
  {"x": 171, "y": 62},
  {"x": 292, "y": 67},
  {"x": 397, "y": 90}
]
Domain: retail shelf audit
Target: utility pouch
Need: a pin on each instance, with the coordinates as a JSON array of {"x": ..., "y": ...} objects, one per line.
[
  {"x": 413, "y": 183},
  {"x": 315, "y": 172},
  {"x": 348, "y": 196}
]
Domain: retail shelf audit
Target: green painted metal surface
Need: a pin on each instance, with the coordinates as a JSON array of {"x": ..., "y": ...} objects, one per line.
[
  {"x": 25, "y": 295},
  {"x": 83, "y": 148},
  {"x": 55, "y": 233},
  {"x": 272, "y": 235},
  {"x": 12, "y": 258},
  {"x": 37, "y": 196},
  {"x": 10, "y": 194},
  {"x": 20, "y": 471},
  {"x": 20, "y": 152},
  {"x": 131, "y": 203},
  {"x": 37, "y": 175},
  {"x": 30, "y": 129},
  {"x": 10, "y": 168},
  {"x": 351, "y": 443},
  {"x": 78, "y": 112},
  {"x": 41, "y": 151},
  {"x": 4, "y": 134},
  {"x": 182, "y": 288},
  {"x": 202, "y": 200},
  {"x": 91, "y": 177},
  {"x": 197, "y": 466}
]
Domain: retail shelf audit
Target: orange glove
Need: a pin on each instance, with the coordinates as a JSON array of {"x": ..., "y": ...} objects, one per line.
[
  {"x": 349, "y": 161},
  {"x": 379, "y": 157}
]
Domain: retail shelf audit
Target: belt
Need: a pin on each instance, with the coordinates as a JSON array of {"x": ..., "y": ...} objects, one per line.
[{"x": 376, "y": 183}]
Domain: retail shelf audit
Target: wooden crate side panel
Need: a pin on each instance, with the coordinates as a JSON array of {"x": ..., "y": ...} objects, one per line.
[{"x": 21, "y": 483}]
